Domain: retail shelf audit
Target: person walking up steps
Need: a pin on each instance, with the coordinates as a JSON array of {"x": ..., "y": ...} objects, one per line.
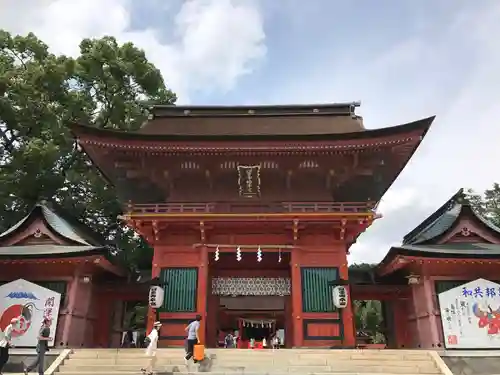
[
  {"x": 192, "y": 337},
  {"x": 41, "y": 348},
  {"x": 152, "y": 345}
]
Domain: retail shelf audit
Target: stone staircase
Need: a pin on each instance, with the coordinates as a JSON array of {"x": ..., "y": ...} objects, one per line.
[{"x": 258, "y": 362}]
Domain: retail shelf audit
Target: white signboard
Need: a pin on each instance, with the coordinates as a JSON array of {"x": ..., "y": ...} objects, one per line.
[
  {"x": 30, "y": 303},
  {"x": 470, "y": 314}
]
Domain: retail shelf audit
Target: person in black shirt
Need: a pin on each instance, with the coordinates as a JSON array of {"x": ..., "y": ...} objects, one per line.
[{"x": 41, "y": 348}]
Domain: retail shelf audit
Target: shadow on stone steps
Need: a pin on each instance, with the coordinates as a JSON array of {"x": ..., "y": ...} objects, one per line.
[{"x": 202, "y": 366}]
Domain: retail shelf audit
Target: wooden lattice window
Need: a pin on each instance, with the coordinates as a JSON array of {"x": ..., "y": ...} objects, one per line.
[
  {"x": 317, "y": 289},
  {"x": 181, "y": 289}
]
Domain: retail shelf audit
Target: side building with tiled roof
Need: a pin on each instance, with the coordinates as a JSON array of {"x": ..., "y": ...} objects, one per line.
[
  {"x": 452, "y": 247},
  {"x": 50, "y": 248}
]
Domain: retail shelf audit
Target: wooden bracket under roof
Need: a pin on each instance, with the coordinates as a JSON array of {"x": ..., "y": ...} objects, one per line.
[{"x": 295, "y": 229}]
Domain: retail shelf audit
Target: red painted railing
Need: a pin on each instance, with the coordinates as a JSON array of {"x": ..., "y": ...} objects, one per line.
[{"x": 246, "y": 207}]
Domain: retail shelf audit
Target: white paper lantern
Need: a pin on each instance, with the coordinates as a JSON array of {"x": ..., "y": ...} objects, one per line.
[
  {"x": 156, "y": 295},
  {"x": 340, "y": 297}
]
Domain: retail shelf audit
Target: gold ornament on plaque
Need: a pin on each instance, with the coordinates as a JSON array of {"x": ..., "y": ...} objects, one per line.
[{"x": 249, "y": 180}]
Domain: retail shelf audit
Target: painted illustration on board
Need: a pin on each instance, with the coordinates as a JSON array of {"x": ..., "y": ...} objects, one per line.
[
  {"x": 470, "y": 315},
  {"x": 489, "y": 318},
  {"x": 30, "y": 304}
]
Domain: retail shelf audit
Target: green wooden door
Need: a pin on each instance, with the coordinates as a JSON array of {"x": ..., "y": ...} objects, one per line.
[
  {"x": 316, "y": 289},
  {"x": 181, "y": 287}
]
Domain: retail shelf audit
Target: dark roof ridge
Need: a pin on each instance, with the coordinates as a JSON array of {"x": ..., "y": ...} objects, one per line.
[{"x": 172, "y": 109}]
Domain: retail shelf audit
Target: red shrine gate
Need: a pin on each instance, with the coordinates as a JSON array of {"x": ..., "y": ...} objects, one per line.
[
  {"x": 307, "y": 270},
  {"x": 300, "y": 182}
]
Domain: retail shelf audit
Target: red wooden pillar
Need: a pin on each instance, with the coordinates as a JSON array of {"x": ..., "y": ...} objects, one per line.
[
  {"x": 102, "y": 327},
  {"x": 400, "y": 323},
  {"x": 202, "y": 292},
  {"x": 347, "y": 313},
  {"x": 73, "y": 291},
  {"x": 298, "y": 334},
  {"x": 289, "y": 322}
]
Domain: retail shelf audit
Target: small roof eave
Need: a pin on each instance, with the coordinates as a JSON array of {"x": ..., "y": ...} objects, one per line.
[
  {"x": 389, "y": 264},
  {"x": 398, "y": 257},
  {"x": 108, "y": 266},
  {"x": 395, "y": 258},
  {"x": 50, "y": 251}
]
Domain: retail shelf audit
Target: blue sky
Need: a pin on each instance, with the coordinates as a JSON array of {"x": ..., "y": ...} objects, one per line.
[
  {"x": 325, "y": 40},
  {"x": 404, "y": 60}
]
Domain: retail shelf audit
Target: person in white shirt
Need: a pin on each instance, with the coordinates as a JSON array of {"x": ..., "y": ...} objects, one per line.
[
  {"x": 6, "y": 343},
  {"x": 152, "y": 342},
  {"x": 275, "y": 342}
]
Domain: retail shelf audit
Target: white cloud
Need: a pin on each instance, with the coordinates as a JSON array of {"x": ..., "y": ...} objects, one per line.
[
  {"x": 395, "y": 200},
  {"x": 216, "y": 41},
  {"x": 461, "y": 150},
  {"x": 219, "y": 39}
]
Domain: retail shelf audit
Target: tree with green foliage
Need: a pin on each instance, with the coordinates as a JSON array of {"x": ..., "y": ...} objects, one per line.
[
  {"x": 487, "y": 204},
  {"x": 106, "y": 86},
  {"x": 368, "y": 315}
]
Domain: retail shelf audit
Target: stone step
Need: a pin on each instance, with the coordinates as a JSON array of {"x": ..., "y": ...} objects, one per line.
[
  {"x": 244, "y": 354},
  {"x": 282, "y": 351},
  {"x": 66, "y": 370},
  {"x": 122, "y": 368},
  {"x": 243, "y": 373},
  {"x": 327, "y": 369},
  {"x": 245, "y": 362},
  {"x": 260, "y": 361},
  {"x": 325, "y": 359},
  {"x": 423, "y": 367},
  {"x": 128, "y": 361},
  {"x": 399, "y": 367}
]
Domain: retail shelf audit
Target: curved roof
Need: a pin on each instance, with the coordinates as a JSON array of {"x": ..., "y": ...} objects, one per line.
[
  {"x": 397, "y": 142},
  {"x": 419, "y": 127},
  {"x": 61, "y": 224},
  {"x": 443, "y": 219}
]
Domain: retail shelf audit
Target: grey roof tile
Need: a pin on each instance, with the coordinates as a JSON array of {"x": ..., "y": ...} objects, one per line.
[
  {"x": 61, "y": 226},
  {"x": 15, "y": 226},
  {"x": 438, "y": 226},
  {"x": 43, "y": 250}
]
